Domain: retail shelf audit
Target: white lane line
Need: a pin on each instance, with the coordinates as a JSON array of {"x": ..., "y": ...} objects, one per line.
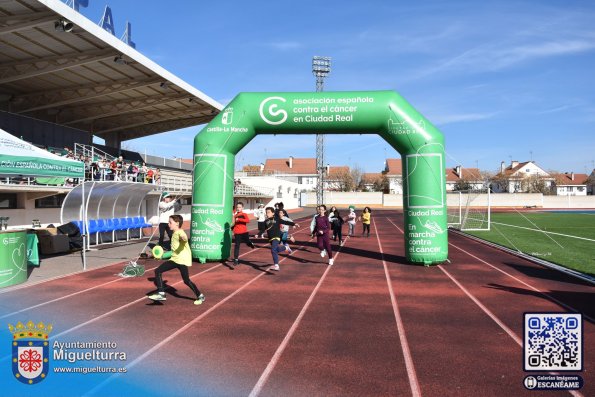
[
  {"x": 178, "y": 332},
  {"x": 496, "y": 320},
  {"x": 66, "y": 296},
  {"x": 264, "y": 377},
  {"x": 489, "y": 313},
  {"x": 549, "y": 297},
  {"x": 544, "y": 294},
  {"x": 411, "y": 373}
]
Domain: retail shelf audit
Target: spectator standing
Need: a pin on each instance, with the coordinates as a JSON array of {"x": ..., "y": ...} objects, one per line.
[{"x": 166, "y": 209}]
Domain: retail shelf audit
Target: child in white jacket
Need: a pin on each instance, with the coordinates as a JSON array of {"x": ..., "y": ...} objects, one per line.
[{"x": 351, "y": 219}]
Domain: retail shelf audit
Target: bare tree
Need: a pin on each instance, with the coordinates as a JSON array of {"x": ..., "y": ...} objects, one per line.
[{"x": 356, "y": 176}]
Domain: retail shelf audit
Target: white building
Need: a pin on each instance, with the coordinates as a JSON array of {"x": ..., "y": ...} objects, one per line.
[
  {"x": 393, "y": 169},
  {"x": 511, "y": 179},
  {"x": 571, "y": 184},
  {"x": 459, "y": 176}
]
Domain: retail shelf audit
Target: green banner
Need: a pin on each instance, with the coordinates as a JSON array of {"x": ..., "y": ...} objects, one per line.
[
  {"x": 21, "y": 165},
  {"x": 373, "y": 112},
  {"x": 13, "y": 258}
]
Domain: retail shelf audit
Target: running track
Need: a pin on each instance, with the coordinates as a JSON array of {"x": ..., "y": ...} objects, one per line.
[{"x": 371, "y": 325}]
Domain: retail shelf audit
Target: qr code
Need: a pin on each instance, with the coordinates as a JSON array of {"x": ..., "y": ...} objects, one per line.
[{"x": 553, "y": 342}]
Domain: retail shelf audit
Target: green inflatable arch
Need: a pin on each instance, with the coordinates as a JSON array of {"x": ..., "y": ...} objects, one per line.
[{"x": 385, "y": 113}]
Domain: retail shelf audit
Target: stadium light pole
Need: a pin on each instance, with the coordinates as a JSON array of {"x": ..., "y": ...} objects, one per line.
[{"x": 321, "y": 67}]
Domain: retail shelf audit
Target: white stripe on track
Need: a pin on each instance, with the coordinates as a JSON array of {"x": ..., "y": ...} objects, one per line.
[
  {"x": 546, "y": 295},
  {"x": 497, "y": 320},
  {"x": 179, "y": 331},
  {"x": 411, "y": 373},
  {"x": 264, "y": 377},
  {"x": 66, "y": 296},
  {"x": 514, "y": 337}
]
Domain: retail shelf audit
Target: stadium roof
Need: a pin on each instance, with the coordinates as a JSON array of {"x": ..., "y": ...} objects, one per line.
[{"x": 87, "y": 78}]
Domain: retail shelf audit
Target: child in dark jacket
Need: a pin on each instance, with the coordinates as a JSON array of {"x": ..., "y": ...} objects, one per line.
[{"x": 273, "y": 223}]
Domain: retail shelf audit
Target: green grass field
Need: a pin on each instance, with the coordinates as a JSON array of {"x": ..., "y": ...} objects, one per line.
[{"x": 567, "y": 239}]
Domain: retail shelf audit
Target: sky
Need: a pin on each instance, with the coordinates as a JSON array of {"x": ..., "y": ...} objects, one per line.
[{"x": 502, "y": 80}]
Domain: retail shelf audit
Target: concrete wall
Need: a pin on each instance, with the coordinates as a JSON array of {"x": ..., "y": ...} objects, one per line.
[
  {"x": 345, "y": 199},
  {"x": 504, "y": 200}
]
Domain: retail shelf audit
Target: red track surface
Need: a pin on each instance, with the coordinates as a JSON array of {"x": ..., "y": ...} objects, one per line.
[{"x": 311, "y": 329}]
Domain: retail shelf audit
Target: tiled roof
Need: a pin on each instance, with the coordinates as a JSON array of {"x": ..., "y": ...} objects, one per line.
[
  {"x": 579, "y": 179},
  {"x": 299, "y": 166},
  {"x": 337, "y": 171},
  {"x": 510, "y": 170},
  {"x": 469, "y": 174},
  {"x": 251, "y": 168},
  {"x": 371, "y": 177},
  {"x": 394, "y": 167}
]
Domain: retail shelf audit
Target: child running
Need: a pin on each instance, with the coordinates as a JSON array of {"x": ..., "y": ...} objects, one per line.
[
  {"x": 365, "y": 218},
  {"x": 337, "y": 226},
  {"x": 351, "y": 220},
  {"x": 260, "y": 216},
  {"x": 285, "y": 228},
  {"x": 273, "y": 224},
  {"x": 240, "y": 231},
  {"x": 181, "y": 259},
  {"x": 320, "y": 227}
]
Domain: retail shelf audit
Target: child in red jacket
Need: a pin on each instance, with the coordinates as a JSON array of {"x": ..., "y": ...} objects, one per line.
[{"x": 240, "y": 231}]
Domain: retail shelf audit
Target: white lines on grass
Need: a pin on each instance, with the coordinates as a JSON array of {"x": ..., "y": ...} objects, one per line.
[
  {"x": 264, "y": 377},
  {"x": 411, "y": 374},
  {"x": 545, "y": 232}
]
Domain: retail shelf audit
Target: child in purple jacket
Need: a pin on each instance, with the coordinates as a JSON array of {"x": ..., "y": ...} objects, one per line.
[{"x": 321, "y": 227}]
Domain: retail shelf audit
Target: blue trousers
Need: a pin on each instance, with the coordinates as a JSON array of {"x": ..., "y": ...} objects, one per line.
[{"x": 276, "y": 247}]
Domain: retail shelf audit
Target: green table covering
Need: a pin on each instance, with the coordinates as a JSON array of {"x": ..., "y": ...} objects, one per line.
[
  {"x": 13, "y": 257},
  {"x": 32, "y": 250}
]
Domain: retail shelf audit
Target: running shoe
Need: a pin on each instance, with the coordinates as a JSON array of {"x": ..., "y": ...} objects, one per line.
[
  {"x": 323, "y": 253},
  {"x": 342, "y": 243},
  {"x": 275, "y": 267},
  {"x": 200, "y": 299},
  {"x": 288, "y": 250},
  {"x": 251, "y": 245},
  {"x": 331, "y": 261},
  {"x": 236, "y": 262},
  {"x": 157, "y": 297}
]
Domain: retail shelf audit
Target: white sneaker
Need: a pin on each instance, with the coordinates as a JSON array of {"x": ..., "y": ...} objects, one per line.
[
  {"x": 331, "y": 261},
  {"x": 275, "y": 267},
  {"x": 342, "y": 243},
  {"x": 288, "y": 250},
  {"x": 323, "y": 253}
]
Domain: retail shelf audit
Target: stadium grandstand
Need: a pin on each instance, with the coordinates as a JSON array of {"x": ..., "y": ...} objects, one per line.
[{"x": 65, "y": 80}]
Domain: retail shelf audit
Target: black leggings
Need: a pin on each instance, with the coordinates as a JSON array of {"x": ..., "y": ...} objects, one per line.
[
  {"x": 163, "y": 228},
  {"x": 366, "y": 227},
  {"x": 241, "y": 238},
  {"x": 169, "y": 265}
]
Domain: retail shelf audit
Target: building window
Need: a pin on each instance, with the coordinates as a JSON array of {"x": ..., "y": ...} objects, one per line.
[
  {"x": 8, "y": 201},
  {"x": 50, "y": 202}
]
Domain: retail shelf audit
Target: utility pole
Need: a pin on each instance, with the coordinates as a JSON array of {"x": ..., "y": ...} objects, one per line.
[{"x": 321, "y": 67}]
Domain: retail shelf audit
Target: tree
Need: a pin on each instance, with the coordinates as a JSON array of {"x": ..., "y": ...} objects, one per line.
[
  {"x": 534, "y": 184},
  {"x": 382, "y": 184},
  {"x": 356, "y": 176},
  {"x": 462, "y": 185}
]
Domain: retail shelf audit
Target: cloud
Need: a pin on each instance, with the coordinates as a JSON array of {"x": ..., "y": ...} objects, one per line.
[
  {"x": 285, "y": 45},
  {"x": 460, "y": 118}
]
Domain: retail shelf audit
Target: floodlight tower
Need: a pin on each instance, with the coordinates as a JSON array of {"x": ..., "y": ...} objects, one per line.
[{"x": 321, "y": 67}]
